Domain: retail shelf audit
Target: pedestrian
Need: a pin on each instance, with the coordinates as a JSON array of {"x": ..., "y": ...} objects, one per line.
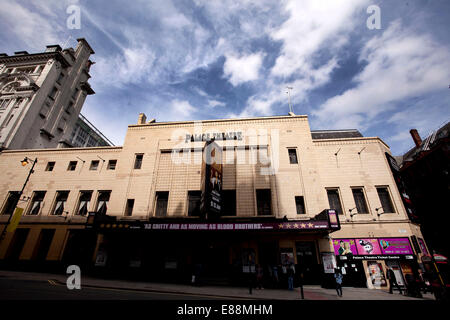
[
  {"x": 275, "y": 276},
  {"x": 392, "y": 280},
  {"x": 338, "y": 277},
  {"x": 259, "y": 277},
  {"x": 290, "y": 275}
]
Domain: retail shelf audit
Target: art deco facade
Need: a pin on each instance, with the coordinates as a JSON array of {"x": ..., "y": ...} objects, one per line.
[
  {"x": 41, "y": 96},
  {"x": 278, "y": 178}
]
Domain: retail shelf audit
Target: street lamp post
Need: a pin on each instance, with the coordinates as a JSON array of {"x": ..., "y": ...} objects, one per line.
[{"x": 24, "y": 163}]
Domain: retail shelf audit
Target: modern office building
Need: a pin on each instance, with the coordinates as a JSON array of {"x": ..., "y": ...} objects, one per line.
[
  {"x": 41, "y": 96},
  {"x": 85, "y": 134},
  {"x": 136, "y": 209}
]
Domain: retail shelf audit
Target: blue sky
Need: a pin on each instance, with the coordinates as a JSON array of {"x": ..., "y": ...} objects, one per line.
[{"x": 191, "y": 60}]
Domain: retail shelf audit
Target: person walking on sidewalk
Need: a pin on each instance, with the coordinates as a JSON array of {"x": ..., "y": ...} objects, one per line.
[
  {"x": 338, "y": 277},
  {"x": 290, "y": 273},
  {"x": 392, "y": 281},
  {"x": 259, "y": 277}
]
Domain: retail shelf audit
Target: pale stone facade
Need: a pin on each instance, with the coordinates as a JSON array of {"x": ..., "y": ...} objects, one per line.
[
  {"x": 41, "y": 96},
  {"x": 338, "y": 163}
]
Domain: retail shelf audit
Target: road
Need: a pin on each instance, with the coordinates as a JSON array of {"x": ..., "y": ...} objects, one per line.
[{"x": 12, "y": 289}]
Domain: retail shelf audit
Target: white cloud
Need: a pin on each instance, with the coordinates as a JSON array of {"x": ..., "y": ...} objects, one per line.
[
  {"x": 242, "y": 69},
  {"x": 400, "y": 64},
  {"x": 310, "y": 26},
  {"x": 33, "y": 28},
  {"x": 182, "y": 108},
  {"x": 214, "y": 103}
]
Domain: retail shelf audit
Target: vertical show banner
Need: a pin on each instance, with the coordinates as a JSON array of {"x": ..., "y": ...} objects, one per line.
[{"x": 212, "y": 179}]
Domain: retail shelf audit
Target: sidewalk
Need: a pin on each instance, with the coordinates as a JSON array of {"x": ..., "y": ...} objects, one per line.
[{"x": 310, "y": 292}]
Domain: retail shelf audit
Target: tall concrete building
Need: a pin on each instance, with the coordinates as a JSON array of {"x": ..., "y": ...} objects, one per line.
[
  {"x": 41, "y": 96},
  {"x": 290, "y": 196}
]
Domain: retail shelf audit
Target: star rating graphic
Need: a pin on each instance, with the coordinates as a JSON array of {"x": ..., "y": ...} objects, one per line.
[{"x": 303, "y": 225}]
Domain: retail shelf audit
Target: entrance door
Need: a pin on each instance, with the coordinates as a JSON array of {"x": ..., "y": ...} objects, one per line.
[{"x": 307, "y": 262}]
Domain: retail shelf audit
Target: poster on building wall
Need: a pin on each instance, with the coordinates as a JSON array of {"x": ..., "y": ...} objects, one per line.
[
  {"x": 368, "y": 246},
  {"x": 212, "y": 180},
  {"x": 376, "y": 273},
  {"x": 344, "y": 247},
  {"x": 329, "y": 262},
  {"x": 395, "y": 246}
]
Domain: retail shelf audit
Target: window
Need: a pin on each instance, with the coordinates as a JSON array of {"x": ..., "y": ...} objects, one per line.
[
  {"x": 94, "y": 165},
  {"x": 229, "y": 202},
  {"x": 52, "y": 94},
  {"x": 300, "y": 205},
  {"x": 129, "y": 207},
  {"x": 72, "y": 166},
  {"x": 264, "y": 202},
  {"x": 138, "y": 161},
  {"x": 112, "y": 164},
  {"x": 60, "y": 78},
  {"x": 50, "y": 166},
  {"x": 292, "y": 156},
  {"x": 75, "y": 93},
  {"x": 385, "y": 199},
  {"x": 360, "y": 200},
  {"x": 4, "y": 103},
  {"x": 61, "y": 199},
  {"x": 11, "y": 202},
  {"x": 103, "y": 199},
  {"x": 334, "y": 201},
  {"x": 36, "y": 202},
  {"x": 69, "y": 108},
  {"x": 194, "y": 199},
  {"x": 162, "y": 198},
  {"x": 83, "y": 205}
]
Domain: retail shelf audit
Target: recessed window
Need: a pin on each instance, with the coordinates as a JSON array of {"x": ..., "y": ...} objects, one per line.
[
  {"x": 138, "y": 161},
  {"x": 83, "y": 203},
  {"x": 229, "y": 202},
  {"x": 385, "y": 199},
  {"x": 61, "y": 199},
  {"x": 75, "y": 94},
  {"x": 360, "y": 200},
  {"x": 300, "y": 205},
  {"x": 129, "y": 207},
  {"x": 36, "y": 202},
  {"x": 50, "y": 166},
  {"x": 194, "y": 198},
  {"x": 162, "y": 199},
  {"x": 334, "y": 200},
  {"x": 94, "y": 165},
  {"x": 112, "y": 164},
  {"x": 60, "y": 78},
  {"x": 53, "y": 93},
  {"x": 292, "y": 156},
  {"x": 72, "y": 166},
  {"x": 103, "y": 200},
  {"x": 11, "y": 202},
  {"x": 264, "y": 202}
]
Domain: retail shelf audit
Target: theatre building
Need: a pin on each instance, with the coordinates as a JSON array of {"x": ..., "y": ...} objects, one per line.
[{"x": 155, "y": 209}]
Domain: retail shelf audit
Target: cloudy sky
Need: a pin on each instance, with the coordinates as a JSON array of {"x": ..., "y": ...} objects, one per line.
[{"x": 195, "y": 59}]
